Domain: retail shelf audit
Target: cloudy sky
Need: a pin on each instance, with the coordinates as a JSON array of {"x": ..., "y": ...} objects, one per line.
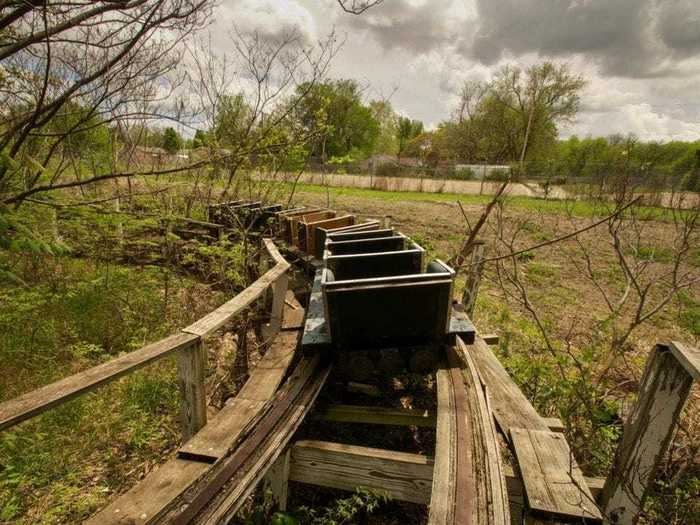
[{"x": 641, "y": 57}]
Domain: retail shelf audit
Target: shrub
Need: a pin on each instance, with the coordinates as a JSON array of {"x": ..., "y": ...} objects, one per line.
[
  {"x": 463, "y": 174},
  {"x": 388, "y": 169},
  {"x": 500, "y": 175}
]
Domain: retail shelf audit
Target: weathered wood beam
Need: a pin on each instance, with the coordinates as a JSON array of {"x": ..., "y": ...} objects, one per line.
[
  {"x": 37, "y": 401},
  {"x": 663, "y": 391},
  {"x": 219, "y": 497},
  {"x": 400, "y": 475},
  {"x": 551, "y": 477},
  {"x": 192, "y": 366},
  {"x": 490, "y": 339},
  {"x": 513, "y": 411},
  {"x": 150, "y": 498},
  {"x": 374, "y": 415},
  {"x": 378, "y": 415},
  {"x": 227, "y": 311}
]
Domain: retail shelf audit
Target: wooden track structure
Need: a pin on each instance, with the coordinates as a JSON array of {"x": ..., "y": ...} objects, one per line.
[{"x": 480, "y": 410}]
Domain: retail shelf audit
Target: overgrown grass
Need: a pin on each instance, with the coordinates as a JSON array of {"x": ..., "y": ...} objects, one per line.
[{"x": 76, "y": 313}]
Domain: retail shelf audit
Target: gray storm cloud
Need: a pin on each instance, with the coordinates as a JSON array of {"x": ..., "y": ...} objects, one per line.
[
  {"x": 415, "y": 27},
  {"x": 630, "y": 38}
]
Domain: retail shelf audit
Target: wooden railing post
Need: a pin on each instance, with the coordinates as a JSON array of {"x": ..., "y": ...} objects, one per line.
[
  {"x": 279, "y": 293},
  {"x": 476, "y": 267},
  {"x": 663, "y": 391},
  {"x": 276, "y": 481},
  {"x": 193, "y": 402}
]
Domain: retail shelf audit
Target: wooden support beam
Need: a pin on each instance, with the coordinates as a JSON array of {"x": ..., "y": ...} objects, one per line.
[
  {"x": 687, "y": 356},
  {"x": 279, "y": 293},
  {"x": 219, "y": 497},
  {"x": 663, "y": 391},
  {"x": 192, "y": 365},
  {"x": 402, "y": 476},
  {"x": 219, "y": 436},
  {"x": 276, "y": 481},
  {"x": 476, "y": 268},
  {"x": 152, "y": 497},
  {"x": 378, "y": 415}
]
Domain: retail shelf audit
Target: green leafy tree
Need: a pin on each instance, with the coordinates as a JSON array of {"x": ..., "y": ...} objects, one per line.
[
  {"x": 407, "y": 130},
  {"x": 387, "y": 141},
  {"x": 172, "y": 141},
  {"x": 200, "y": 139},
  {"x": 335, "y": 108}
]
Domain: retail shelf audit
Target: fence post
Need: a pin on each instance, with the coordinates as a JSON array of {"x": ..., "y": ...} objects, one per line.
[
  {"x": 471, "y": 287},
  {"x": 191, "y": 364},
  {"x": 663, "y": 391},
  {"x": 279, "y": 293}
]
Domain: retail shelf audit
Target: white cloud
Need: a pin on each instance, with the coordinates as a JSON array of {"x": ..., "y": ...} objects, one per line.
[{"x": 426, "y": 48}]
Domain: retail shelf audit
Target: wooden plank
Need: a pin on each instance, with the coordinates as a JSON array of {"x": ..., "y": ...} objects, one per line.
[
  {"x": 220, "y": 435},
  {"x": 218, "y": 497},
  {"x": 491, "y": 498},
  {"x": 37, "y": 401},
  {"x": 145, "y": 502},
  {"x": 688, "y": 356},
  {"x": 398, "y": 467},
  {"x": 554, "y": 424},
  {"x": 510, "y": 406},
  {"x": 551, "y": 476},
  {"x": 512, "y": 410},
  {"x": 517, "y": 497},
  {"x": 293, "y": 318},
  {"x": 663, "y": 391},
  {"x": 373, "y": 415},
  {"x": 192, "y": 366},
  {"x": 271, "y": 369},
  {"x": 378, "y": 415},
  {"x": 402, "y": 476},
  {"x": 490, "y": 339},
  {"x": 443, "y": 492},
  {"x": 227, "y": 311}
]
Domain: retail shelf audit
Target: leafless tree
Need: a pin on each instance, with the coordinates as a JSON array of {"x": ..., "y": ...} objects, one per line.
[
  {"x": 74, "y": 66},
  {"x": 357, "y": 7}
]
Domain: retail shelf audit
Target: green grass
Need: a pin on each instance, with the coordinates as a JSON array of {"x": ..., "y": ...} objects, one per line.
[
  {"x": 578, "y": 208},
  {"x": 690, "y": 313},
  {"x": 63, "y": 465}
]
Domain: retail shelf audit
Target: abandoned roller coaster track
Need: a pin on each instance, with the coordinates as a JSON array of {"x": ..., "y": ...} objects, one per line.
[{"x": 374, "y": 300}]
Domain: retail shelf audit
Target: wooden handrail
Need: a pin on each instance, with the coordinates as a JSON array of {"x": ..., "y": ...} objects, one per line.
[
  {"x": 224, "y": 313},
  {"x": 41, "y": 399},
  {"x": 37, "y": 401}
]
